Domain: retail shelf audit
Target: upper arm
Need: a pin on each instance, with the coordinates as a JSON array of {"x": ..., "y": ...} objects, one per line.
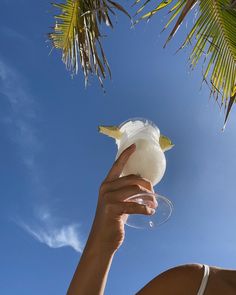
[{"x": 175, "y": 281}]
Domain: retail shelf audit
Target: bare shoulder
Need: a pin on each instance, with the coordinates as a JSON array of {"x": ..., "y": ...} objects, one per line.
[{"x": 176, "y": 281}]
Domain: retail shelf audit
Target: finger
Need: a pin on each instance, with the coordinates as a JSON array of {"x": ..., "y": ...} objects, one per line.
[
  {"x": 135, "y": 208},
  {"x": 147, "y": 200},
  {"x": 127, "y": 181},
  {"x": 125, "y": 193},
  {"x": 119, "y": 164}
]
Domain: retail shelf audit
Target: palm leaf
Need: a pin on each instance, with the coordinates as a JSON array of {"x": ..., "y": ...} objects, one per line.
[
  {"x": 77, "y": 34},
  {"x": 214, "y": 37},
  {"x": 230, "y": 104}
]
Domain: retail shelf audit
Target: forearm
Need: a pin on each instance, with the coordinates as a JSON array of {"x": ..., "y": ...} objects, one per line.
[
  {"x": 91, "y": 273},
  {"x": 107, "y": 233}
]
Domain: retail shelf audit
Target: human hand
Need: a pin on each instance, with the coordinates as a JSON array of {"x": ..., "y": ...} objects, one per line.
[{"x": 108, "y": 230}]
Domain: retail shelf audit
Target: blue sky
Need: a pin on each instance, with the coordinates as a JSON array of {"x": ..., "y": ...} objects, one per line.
[{"x": 53, "y": 159}]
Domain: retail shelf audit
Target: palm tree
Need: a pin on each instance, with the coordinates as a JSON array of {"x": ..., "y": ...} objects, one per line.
[
  {"x": 213, "y": 36},
  {"x": 77, "y": 34}
]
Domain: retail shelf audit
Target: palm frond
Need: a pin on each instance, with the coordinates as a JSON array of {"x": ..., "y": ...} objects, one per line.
[
  {"x": 230, "y": 104},
  {"x": 77, "y": 34},
  {"x": 214, "y": 37}
]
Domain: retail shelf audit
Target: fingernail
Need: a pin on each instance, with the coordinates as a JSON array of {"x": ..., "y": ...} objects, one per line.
[
  {"x": 152, "y": 211},
  {"x": 155, "y": 203}
]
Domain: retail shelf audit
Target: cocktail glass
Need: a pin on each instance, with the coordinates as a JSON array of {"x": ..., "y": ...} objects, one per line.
[{"x": 148, "y": 161}]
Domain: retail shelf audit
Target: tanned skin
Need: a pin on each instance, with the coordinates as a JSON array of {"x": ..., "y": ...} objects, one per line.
[{"x": 107, "y": 235}]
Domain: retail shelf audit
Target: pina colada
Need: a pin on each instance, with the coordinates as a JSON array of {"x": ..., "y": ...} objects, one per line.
[{"x": 148, "y": 161}]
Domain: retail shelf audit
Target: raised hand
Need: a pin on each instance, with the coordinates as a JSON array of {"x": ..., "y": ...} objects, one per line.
[
  {"x": 113, "y": 206},
  {"x": 107, "y": 233}
]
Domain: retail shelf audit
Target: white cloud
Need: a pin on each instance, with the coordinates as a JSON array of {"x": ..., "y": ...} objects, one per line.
[
  {"x": 21, "y": 126},
  {"x": 48, "y": 229},
  {"x": 56, "y": 237},
  {"x": 21, "y": 117},
  {"x": 13, "y": 34}
]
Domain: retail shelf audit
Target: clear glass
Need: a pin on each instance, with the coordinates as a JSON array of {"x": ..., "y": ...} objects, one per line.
[{"x": 149, "y": 162}]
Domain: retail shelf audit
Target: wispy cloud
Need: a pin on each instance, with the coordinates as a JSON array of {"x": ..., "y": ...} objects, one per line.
[
  {"x": 55, "y": 236},
  {"x": 13, "y": 34},
  {"x": 20, "y": 121}
]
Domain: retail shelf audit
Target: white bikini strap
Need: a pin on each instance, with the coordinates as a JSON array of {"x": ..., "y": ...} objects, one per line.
[{"x": 204, "y": 280}]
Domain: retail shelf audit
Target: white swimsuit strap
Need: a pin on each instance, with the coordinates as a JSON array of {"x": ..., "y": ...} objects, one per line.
[{"x": 204, "y": 280}]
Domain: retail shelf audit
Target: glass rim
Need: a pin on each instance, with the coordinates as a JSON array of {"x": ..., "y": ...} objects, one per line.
[{"x": 142, "y": 119}]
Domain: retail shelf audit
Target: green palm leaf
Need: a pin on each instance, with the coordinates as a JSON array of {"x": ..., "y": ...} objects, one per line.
[
  {"x": 213, "y": 36},
  {"x": 77, "y": 34}
]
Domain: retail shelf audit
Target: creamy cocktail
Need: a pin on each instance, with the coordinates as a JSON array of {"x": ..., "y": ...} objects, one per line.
[{"x": 148, "y": 161}]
